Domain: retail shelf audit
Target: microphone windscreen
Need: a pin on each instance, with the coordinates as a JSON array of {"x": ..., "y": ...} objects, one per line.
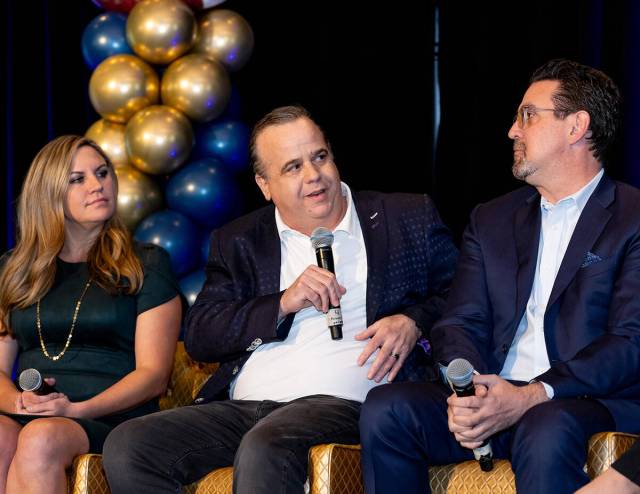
[
  {"x": 321, "y": 237},
  {"x": 30, "y": 380},
  {"x": 460, "y": 372}
]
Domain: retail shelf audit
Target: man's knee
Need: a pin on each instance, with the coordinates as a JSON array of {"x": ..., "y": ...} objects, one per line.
[
  {"x": 546, "y": 431},
  {"x": 123, "y": 445},
  {"x": 261, "y": 444},
  {"x": 546, "y": 423},
  {"x": 377, "y": 413},
  {"x": 549, "y": 444},
  {"x": 267, "y": 460},
  {"x": 393, "y": 406}
]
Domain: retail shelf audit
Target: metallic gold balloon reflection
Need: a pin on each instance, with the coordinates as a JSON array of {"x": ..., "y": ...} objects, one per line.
[
  {"x": 158, "y": 139},
  {"x": 225, "y": 36},
  {"x": 138, "y": 195},
  {"x": 122, "y": 85},
  {"x": 161, "y": 30},
  {"x": 197, "y": 86},
  {"x": 110, "y": 137}
]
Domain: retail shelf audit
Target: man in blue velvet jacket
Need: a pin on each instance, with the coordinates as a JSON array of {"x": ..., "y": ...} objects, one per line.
[
  {"x": 545, "y": 305},
  {"x": 284, "y": 384}
]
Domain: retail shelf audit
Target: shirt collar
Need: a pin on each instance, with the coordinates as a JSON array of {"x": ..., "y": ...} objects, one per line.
[
  {"x": 580, "y": 197},
  {"x": 346, "y": 223}
]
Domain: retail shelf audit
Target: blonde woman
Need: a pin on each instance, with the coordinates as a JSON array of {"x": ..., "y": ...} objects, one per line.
[{"x": 96, "y": 314}]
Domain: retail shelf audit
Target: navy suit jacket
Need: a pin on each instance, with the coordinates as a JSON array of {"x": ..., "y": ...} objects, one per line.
[
  {"x": 592, "y": 321},
  {"x": 411, "y": 261}
]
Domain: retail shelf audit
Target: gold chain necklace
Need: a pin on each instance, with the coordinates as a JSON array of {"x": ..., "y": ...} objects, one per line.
[{"x": 73, "y": 325}]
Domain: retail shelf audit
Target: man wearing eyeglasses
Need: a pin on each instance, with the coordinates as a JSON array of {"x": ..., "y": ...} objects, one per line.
[{"x": 545, "y": 306}]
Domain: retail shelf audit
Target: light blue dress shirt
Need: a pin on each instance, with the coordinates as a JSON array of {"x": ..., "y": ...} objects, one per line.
[{"x": 528, "y": 357}]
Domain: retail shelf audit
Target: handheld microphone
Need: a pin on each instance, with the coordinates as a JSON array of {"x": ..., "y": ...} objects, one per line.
[
  {"x": 31, "y": 380},
  {"x": 321, "y": 240},
  {"x": 460, "y": 377}
]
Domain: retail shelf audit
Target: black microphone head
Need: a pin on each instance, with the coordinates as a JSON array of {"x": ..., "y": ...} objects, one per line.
[
  {"x": 321, "y": 237},
  {"x": 30, "y": 380},
  {"x": 460, "y": 372}
]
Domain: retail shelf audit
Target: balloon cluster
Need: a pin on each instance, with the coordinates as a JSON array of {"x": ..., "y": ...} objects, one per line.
[{"x": 161, "y": 84}]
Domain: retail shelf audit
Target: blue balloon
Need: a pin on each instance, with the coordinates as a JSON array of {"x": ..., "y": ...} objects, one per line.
[
  {"x": 205, "y": 192},
  {"x": 191, "y": 285},
  {"x": 175, "y": 233},
  {"x": 105, "y": 36},
  {"x": 227, "y": 140}
]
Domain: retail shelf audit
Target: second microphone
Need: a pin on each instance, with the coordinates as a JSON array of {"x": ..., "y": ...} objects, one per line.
[
  {"x": 32, "y": 380},
  {"x": 460, "y": 377}
]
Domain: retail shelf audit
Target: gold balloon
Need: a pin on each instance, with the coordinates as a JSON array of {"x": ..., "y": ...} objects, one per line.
[
  {"x": 161, "y": 30},
  {"x": 158, "y": 139},
  {"x": 110, "y": 137},
  {"x": 122, "y": 85},
  {"x": 138, "y": 195},
  {"x": 197, "y": 86},
  {"x": 225, "y": 36}
]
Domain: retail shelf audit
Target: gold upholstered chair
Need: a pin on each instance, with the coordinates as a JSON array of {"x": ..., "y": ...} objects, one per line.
[{"x": 334, "y": 468}]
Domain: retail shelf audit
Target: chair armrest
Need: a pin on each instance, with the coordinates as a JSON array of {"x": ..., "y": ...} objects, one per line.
[
  {"x": 217, "y": 482},
  {"x": 605, "y": 448},
  {"x": 87, "y": 476},
  {"x": 335, "y": 469},
  {"x": 468, "y": 478}
]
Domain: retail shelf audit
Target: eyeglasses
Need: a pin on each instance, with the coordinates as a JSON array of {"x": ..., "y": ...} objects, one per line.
[{"x": 526, "y": 112}]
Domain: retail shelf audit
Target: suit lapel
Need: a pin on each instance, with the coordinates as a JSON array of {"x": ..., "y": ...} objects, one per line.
[
  {"x": 374, "y": 230},
  {"x": 593, "y": 219},
  {"x": 527, "y": 233},
  {"x": 268, "y": 259}
]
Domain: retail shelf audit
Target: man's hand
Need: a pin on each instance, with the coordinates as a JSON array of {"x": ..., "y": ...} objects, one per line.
[
  {"x": 395, "y": 336},
  {"x": 314, "y": 287},
  {"x": 496, "y": 406},
  {"x": 459, "y": 407}
]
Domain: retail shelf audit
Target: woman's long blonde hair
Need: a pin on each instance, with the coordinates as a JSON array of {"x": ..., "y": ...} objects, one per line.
[{"x": 30, "y": 270}]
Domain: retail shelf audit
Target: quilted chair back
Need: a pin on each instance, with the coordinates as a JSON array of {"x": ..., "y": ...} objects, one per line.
[{"x": 187, "y": 377}]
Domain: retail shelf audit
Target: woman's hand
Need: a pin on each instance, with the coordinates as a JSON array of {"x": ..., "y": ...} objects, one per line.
[{"x": 48, "y": 405}]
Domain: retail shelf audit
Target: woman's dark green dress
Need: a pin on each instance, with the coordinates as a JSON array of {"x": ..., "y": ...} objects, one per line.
[{"x": 102, "y": 348}]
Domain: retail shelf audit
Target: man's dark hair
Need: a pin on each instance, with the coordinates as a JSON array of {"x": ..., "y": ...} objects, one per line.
[
  {"x": 278, "y": 116},
  {"x": 585, "y": 88}
]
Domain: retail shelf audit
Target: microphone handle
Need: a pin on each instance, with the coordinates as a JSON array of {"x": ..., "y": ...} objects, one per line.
[
  {"x": 45, "y": 389},
  {"x": 482, "y": 453},
  {"x": 468, "y": 390},
  {"x": 324, "y": 256},
  {"x": 334, "y": 321}
]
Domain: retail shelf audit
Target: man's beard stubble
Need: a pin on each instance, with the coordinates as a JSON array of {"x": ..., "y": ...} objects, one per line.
[{"x": 521, "y": 168}]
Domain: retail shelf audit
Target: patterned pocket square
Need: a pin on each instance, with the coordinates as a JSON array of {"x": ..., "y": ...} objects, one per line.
[{"x": 590, "y": 259}]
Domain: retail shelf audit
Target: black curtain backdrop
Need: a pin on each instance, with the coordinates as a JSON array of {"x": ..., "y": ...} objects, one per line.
[
  {"x": 367, "y": 77},
  {"x": 488, "y": 52}
]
